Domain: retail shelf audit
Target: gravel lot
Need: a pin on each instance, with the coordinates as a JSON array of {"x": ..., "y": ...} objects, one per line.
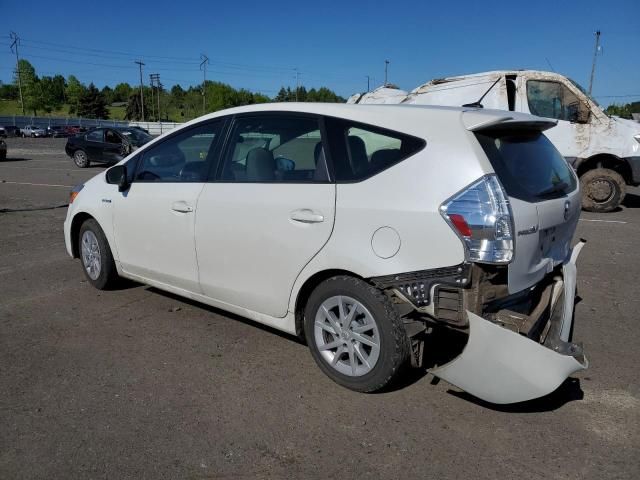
[{"x": 137, "y": 383}]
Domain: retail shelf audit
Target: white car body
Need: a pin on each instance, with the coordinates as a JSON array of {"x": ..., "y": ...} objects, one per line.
[
  {"x": 594, "y": 140},
  {"x": 251, "y": 248},
  {"x": 33, "y": 131}
]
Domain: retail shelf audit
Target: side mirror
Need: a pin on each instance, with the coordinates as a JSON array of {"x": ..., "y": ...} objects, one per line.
[{"x": 118, "y": 176}]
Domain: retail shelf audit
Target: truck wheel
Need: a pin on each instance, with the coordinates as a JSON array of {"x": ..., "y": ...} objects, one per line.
[
  {"x": 355, "y": 334},
  {"x": 80, "y": 158},
  {"x": 602, "y": 190}
]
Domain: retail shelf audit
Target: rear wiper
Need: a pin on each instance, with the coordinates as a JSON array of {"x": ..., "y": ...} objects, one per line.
[{"x": 556, "y": 188}]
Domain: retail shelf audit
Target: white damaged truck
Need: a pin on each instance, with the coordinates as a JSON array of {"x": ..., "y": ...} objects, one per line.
[{"x": 604, "y": 150}]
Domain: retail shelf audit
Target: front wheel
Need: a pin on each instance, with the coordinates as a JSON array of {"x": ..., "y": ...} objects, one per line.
[
  {"x": 355, "y": 334},
  {"x": 602, "y": 190},
  {"x": 80, "y": 159},
  {"x": 95, "y": 255}
]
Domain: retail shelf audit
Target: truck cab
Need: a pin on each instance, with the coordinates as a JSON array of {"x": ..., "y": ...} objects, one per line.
[{"x": 604, "y": 150}]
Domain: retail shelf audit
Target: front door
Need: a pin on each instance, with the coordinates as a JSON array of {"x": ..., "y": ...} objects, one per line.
[
  {"x": 268, "y": 214},
  {"x": 154, "y": 219}
]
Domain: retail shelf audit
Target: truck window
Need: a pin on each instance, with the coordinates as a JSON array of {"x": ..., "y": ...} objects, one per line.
[{"x": 554, "y": 100}]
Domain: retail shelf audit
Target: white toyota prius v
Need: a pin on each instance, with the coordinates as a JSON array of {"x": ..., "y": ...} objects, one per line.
[{"x": 361, "y": 229}]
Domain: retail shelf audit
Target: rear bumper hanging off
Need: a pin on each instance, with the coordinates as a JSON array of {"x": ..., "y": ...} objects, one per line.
[{"x": 501, "y": 366}]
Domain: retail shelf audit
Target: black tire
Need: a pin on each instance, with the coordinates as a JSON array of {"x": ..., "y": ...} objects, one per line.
[
  {"x": 108, "y": 275},
  {"x": 80, "y": 158},
  {"x": 603, "y": 190},
  {"x": 394, "y": 345}
]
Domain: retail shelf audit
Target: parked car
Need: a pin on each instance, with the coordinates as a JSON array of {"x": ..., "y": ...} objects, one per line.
[
  {"x": 57, "y": 131},
  {"x": 33, "y": 131},
  {"x": 358, "y": 228},
  {"x": 3, "y": 150},
  {"x": 104, "y": 145},
  {"x": 604, "y": 150},
  {"x": 11, "y": 131}
]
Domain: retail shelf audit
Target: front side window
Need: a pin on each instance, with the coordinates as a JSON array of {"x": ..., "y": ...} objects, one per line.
[
  {"x": 275, "y": 148},
  {"x": 95, "y": 136},
  {"x": 361, "y": 151},
  {"x": 184, "y": 157},
  {"x": 554, "y": 100}
]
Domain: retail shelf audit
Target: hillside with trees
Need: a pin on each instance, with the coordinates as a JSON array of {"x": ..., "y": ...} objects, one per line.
[{"x": 60, "y": 96}]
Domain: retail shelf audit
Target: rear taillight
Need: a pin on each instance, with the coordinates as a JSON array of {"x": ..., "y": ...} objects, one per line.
[{"x": 480, "y": 215}]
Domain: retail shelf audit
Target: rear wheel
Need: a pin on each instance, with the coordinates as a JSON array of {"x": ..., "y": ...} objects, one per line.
[
  {"x": 602, "y": 190},
  {"x": 80, "y": 158},
  {"x": 355, "y": 334},
  {"x": 95, "y": 255}
]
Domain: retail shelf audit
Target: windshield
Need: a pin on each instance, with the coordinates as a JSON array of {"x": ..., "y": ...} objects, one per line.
[
  {"x": 136, "y": 137},
  {"x": 579, "y": 87},
  {"x": 528, "y": 165}
]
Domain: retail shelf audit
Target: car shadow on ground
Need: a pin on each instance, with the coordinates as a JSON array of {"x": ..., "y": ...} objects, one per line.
[
  {"x": 441, "y": 346},
  {"x": 15, "y": 160},
  {"x": 224, "y": 313},
  {"x": 631, "y": 200}
]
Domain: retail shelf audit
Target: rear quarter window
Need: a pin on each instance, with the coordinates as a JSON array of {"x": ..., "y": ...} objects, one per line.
[
  {"x": 528, "y": 164},
  {"x": 359, "y": 151}
]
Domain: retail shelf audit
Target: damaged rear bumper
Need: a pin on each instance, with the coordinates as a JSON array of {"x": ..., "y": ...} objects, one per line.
[{"x": 502, "y": 366}]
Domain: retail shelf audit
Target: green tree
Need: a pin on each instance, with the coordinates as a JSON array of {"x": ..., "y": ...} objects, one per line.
[
  {"x": 8, "y": 91},
  {"x": 107, "y": 93},
  {"x": 74, "y": 91},
  {"x": 134, "y": 110},
  {"x": 92, "y": 103},
  {"x": 29, "y": 81},
  {"x": 47, "y": 99},
  {"x": 59, "y": 88},
  {"x": 623, "y": 111},
  {"x": 121, "y": 92}
]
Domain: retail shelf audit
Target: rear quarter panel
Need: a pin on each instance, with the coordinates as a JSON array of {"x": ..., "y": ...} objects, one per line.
[{"x": 405, "y": 197}]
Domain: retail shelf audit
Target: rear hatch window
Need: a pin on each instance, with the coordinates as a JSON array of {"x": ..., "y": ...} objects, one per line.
[{"x": 528, "y": 165}]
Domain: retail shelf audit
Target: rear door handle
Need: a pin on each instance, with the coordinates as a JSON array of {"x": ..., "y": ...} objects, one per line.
[
  {"x": 182, "y": 207},
  {"x": 305, "y": 215}
]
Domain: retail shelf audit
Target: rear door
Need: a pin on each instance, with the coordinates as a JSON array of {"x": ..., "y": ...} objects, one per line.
[
  {"x": 268, "y": 214},
  {"x": 93, "y": 144},
  {"x": 544, "y": 196}
]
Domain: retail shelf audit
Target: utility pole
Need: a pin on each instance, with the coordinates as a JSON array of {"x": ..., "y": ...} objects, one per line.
[
  {"x": 386, "y": 66},
  {"x": 140, "y": 64},
  {"x": 203, "y": 67},
  {"x": 368, "y": 82},
  {"x": 16, "y": 42},
  {"x": 155, "y": 81},
  {"x": 297, "y": 82},
  {"x": 153, "y": 113},
  {"x": 595, "y": 54}
]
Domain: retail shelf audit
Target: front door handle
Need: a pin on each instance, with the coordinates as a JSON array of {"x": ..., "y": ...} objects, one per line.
[
  {"x": 305, "y": 215},
  {"x": 182, "y": 207}
]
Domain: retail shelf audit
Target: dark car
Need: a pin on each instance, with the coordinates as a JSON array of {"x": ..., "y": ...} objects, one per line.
[
  {"x": 57, "y": 131},
  {"x": 104, "y": 145},
  {"x": 11, "y": 131}
]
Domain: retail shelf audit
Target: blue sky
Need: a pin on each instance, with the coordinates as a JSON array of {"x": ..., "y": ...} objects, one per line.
[{"x": 257, "y": 45}]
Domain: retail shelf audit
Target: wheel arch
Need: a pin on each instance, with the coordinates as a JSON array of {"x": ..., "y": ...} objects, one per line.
[
  {"x": 305, "y": 291},
  {"x": 74, "y": 233},
  {"x": 606, "y": 160}
]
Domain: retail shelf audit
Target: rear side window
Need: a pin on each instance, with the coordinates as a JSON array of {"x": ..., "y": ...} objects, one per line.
[
  {"x": 361, "y": 151},
  {"x": 276, "y": 148},
  {"x": 528, "y": 165}
]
